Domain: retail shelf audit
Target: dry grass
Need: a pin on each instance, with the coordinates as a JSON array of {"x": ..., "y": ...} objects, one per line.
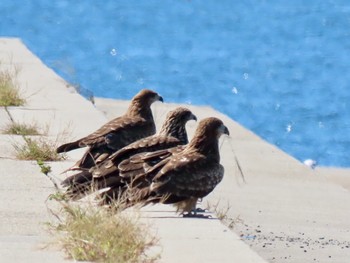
[
  {"x": 98, "y": 234},
  {"x": 41, "y": 148},
  {"x": 9, "y": 90},
  {"x": 222, "y": 213},
  {"x": 38, "y": 149},
  {"x": 16, "y": 128}
]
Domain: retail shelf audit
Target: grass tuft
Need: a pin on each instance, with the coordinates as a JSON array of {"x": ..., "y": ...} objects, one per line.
[
  {"x": 222, "y": 213},
  {"x": 37, "y": 149},
  {"x": 16, "y": 128},
  {"x": 9, "y": 90},
  {"x": 103, "y": 235}
]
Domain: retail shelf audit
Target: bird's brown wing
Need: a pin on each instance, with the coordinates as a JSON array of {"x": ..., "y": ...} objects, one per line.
[
  {"x": 145, "y": 162},
  {"x": 132, "y": 169},
  {"x": 132, "y": 173},
  {"x": 149, "y": 144},
  {"x": 123, "y": 127},
  {"x": 188, "y": 175},
  {"x": 102, "y": 146},
  {"x": 183, "y": 177},
  {"x": 115, "y": 134}
]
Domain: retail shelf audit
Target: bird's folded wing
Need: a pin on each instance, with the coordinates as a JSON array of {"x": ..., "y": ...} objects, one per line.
[
  {"x": 114, "y": 126},
  {"x": 188, "y": 175}
]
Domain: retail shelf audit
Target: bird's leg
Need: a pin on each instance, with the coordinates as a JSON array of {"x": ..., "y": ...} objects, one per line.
[
  {"x": 193, "y": 211},
  {"x": 187, "y": 208}
]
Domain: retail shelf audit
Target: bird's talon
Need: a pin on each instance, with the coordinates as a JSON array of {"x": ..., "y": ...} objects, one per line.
[
  {"x": 199, "y": 210},
  {"x": 195, "y": 215}
]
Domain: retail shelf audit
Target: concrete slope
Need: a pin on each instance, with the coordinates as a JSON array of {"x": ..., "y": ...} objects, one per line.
[{"x": 52, "y": 103}]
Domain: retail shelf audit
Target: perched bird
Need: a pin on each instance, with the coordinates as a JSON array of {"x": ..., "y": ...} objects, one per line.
[
  {"x": 135, "y": 124},
  {"x": 189, "y": 173},
  {"x": 106, "y": 174}
]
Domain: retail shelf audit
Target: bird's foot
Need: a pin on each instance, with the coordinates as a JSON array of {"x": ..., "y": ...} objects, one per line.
[
  {"x": 196, "y": 213},
  {"x": 199, "y": 210}
]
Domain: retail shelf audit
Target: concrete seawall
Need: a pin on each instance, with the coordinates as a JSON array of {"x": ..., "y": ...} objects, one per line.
[{"x": 282, "y": 210}]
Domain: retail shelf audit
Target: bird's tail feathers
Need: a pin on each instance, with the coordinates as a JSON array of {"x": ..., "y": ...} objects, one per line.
[{"x": 68, "y": 147}]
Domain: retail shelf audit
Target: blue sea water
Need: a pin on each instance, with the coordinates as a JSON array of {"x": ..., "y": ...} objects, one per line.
[{"x": 280, "y": 68}]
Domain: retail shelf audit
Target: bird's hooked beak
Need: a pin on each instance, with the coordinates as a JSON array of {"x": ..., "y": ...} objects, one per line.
[
  {"x": 160, "y": 98},
  {"x": 224, "y": 130},
  {"x": 192, "y": 117}
]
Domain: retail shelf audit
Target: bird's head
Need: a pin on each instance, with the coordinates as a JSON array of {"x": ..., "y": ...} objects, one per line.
[
  {"x": 213, "y": 127},
  {"x": 182, "y": 114},
  {"x": 207, "y": 135},
  {"x": 175, "y": 122},
  {"x": 147, "y": 97}
]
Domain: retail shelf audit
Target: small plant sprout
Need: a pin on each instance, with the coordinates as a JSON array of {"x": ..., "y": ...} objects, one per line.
[{"x": 45, "y": 169}]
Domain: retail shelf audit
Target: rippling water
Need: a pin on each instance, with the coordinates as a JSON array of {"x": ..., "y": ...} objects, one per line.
[{"x": 280, "y": 68}]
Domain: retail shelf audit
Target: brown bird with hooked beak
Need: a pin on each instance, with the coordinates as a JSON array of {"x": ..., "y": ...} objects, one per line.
[
  {"x": 189, "y": 173},
  {"x": 135, "y": 124}
]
